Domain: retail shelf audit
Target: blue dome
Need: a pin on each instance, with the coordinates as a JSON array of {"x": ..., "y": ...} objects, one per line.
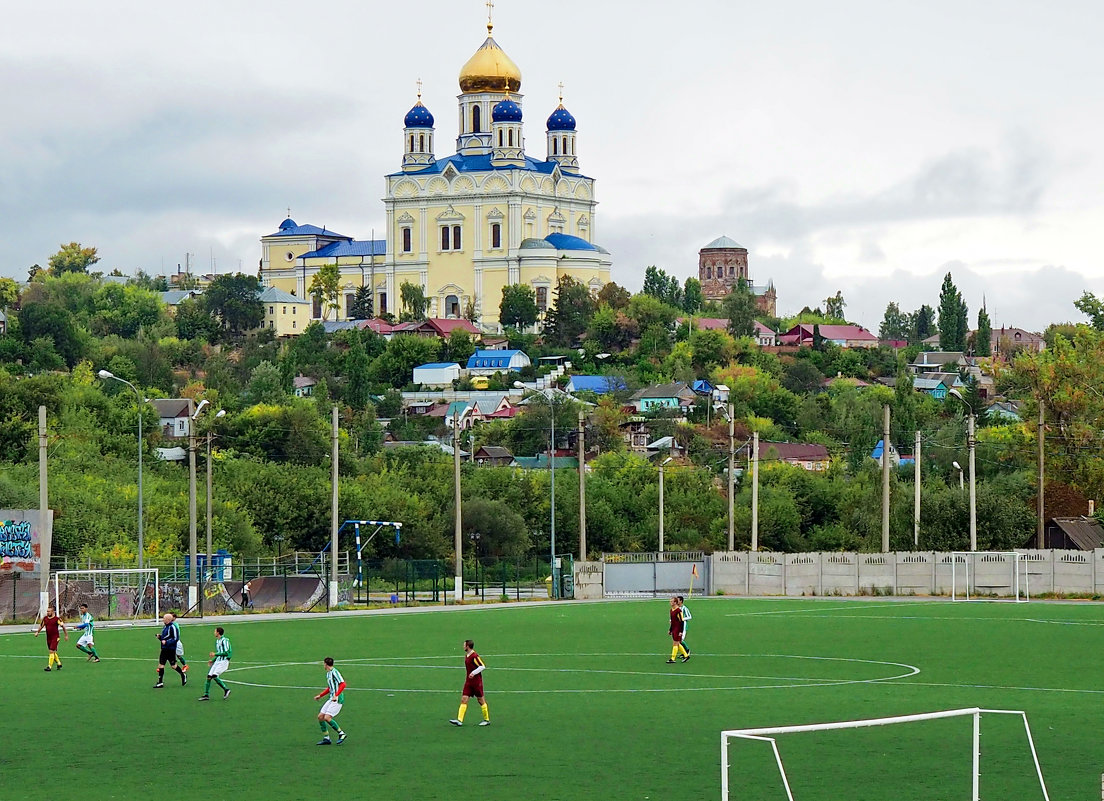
[
  {"x": 288, "y": 224},
  {"x": 561, "y": 120},
  {"x": 418, "y": 117},
  {"x": 506, "y": 111}
]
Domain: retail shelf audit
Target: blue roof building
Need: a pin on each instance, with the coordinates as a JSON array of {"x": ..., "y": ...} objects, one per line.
[{"x": 489, "y": 362}]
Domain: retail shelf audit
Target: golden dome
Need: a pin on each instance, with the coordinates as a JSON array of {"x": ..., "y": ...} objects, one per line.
[{"x": 490, "y": 70}]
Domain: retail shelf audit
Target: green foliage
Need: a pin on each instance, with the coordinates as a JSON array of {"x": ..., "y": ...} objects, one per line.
[
  {"x": 361, "y": 307},
  {"x": 357, "y": 375},
  {"x": 834, "y": 306},
  {"x": 1093, "y": 308},
  {"x": 983, "y": 337},
  {"x": 266, "y": 384},
  {"x": 614, "y": 296},
  {"x": 664, "y": 288},
  {"x": 518, "y": 308},
  {"x": 953, "y": 323},
  {"x": 740, "y": 308},
  {"x": 395, "y": 366},
  {"x": 459, "y": 347},
  {"x": 9, "y": 293},
  {"x": 570, "y": 314},
  {"x": 896, "y": 325},
  {"x": 692, "y": 297},
  {"x": 73, "y": 258},
  {"x": 234, "y": 301},
  {"x": 923, "y": 323},
  {"x": 324, "y": 288},
  {"x": 414, "y": 302}
]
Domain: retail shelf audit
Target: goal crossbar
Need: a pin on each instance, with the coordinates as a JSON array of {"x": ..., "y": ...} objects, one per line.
[
  {"x": 764, "y": 734},
  {"x": 144, "y": 578},
  {"x": 1021, "y": 593}
]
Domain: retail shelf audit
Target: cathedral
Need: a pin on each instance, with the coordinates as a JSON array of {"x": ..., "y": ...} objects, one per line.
[
  {"x": 721, "y": 264},
  {"x": 464, "y": 226}
]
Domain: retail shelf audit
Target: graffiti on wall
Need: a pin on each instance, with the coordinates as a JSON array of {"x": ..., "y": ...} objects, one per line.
[{"x": 18, "y": 545}]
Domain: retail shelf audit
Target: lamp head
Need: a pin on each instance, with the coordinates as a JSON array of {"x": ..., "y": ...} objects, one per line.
[
  {"x": 519, "y": 385},
  {"x": 956, "y": 465},
  {"x": 221, "y": 413},
  {"x": 668, "y": 459},
  {"x": 105, "y": 374},
  {"x": 203, "y": 404}
]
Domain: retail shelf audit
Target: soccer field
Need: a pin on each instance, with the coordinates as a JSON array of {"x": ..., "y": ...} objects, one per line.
[{"x": 583, "y": 705}]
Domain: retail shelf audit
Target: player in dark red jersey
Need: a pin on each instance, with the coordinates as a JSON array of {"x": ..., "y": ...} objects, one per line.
[
  {"x": 473, "y": 685},
  {"x": 676, "y": 630},
  {"x": 51, "y": 622}
]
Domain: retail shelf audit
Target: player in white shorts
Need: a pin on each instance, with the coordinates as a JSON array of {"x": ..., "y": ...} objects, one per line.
[
  {"x": 335, "y": 689},
  {"x": 220, "y": 661},
  {"x": 86, "y": 642}
]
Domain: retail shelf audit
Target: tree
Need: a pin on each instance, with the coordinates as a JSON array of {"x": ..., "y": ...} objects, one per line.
[
  {"x": 895, "y": 324},
  {"x": 922, "y": 323},
  {"x": 266, "y": 384},
  {"x": 615, "y": 296},
  {"x": 692, "y": 297},
  {"x": 9, "y": 293},
  {"x": 983, "y": 339},
  {"x": 818, "y": 338},
  {"x": 663, "y": 287},
  {"x": 1093, "y": 308},
  {"x": 50, "y": 321},
  {"x": 324, "y": 288},
  {"x": 712, "y": 348},
  {"x": 234, "y": 301},
  {"x": 356, "y": 374},
  {"x": 740, "y": 308},
  {"x": 834, "y": 305},
  {"x": 395, "y": 366},
  {"x": 414, "y": 302},
  {"x": 570, "y": 313},
  {"x": 361, "y": 307},
  {"x": 73, "y": 258},
  {"x": 952, "y": 317},
  {"x": 460, "y": 346},
  {"x": 518, "y": 308}
]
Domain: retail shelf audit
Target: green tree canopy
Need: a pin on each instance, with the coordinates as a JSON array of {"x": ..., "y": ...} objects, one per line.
[
  {"x": 73, "y": 258},
  {"x": 740, "y": 308},
  {"x": 234, "y": 300},
  {"x": 518, "y": 308},
  {"x": 414, "y": 302},
  {"x": 324, "y": 288}
]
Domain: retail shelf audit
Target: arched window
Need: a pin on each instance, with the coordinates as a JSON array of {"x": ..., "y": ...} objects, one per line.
[
  {"x": 572, "y": 146},
  {"x": 452, "y": 306},
  {"x": 510, "y": 137},
  {"x": 500, "y": 138},
  {"x": 456, "y": 237},
  {"x": 475, "y": 119},
  {"x": 407, "y": 243},
  {"x": 496, "y": 235},
  {"x": 444, "y": 237},
  {"x": 565, "y": 145},
  {"x": 555, "y": 146},
  {"x": 411, "y": 150},
  {"x": 709, "y": 272},
  {"x": 421, "y": 143}
]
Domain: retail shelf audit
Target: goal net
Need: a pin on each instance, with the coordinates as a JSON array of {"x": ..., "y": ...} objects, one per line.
[
  {"x": 110, "y": 594},
  {"x": 989, "y": 576},
  {"x": 880, "y": 764}
]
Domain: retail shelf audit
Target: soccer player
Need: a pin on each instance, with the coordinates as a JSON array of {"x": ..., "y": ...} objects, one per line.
[
  {"x": 51, "y": 622},
  {"x": 220, "y": 660},
  {"x": 179, "y": 645},
  {"x": 676, "y": 629},
  {"x": 473, "y": 685},
  {"x": 686, "y": 618},
  {"x": 335, "y": 688},
  {"x": 86, "y": 643},
  {"x": 168, "y": 638}
]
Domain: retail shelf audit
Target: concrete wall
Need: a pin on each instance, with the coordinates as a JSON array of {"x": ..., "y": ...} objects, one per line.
[{"x": 811, "y": 574}]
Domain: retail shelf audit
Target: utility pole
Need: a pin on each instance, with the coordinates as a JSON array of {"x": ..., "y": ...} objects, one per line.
[
  {"x": 582, "y": 489},
  {"x": 916, "y": 491},
  {"x": 661, "y": 505},
  {"x": 210, "y": 509},
  {"x": 972, "y": 443},
  {"x": 731, "y": 475},
  {"x": 334, "y": 523},
  {"x": 1040, "y": 523},
  {"x": 457, "y": 536},
  {"x": 885, "y": 478},
  {"x": 45, "y": 519},
  {"x": 754, "y": 491},
  {"x": 193, "y": 590}
]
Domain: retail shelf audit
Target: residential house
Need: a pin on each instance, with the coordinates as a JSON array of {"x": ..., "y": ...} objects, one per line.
[
  {"x": 665, "y": 446},
  {"x": 540, "y": 462},
  {"x": 303, "y": 386},
  {"x": 493, "y": 456},
  {"x": 284, "y": 313},
  {"x": 1008, "y": 341},
  {"x": 436, "y": 374},
  {"x": 1005, "y": 411},
  {"x": 635, "y": 433},
  {"x": 845, "y": 336},
  {"x": 764, "y": 336},
  {"x": 1071, "y": 534},
  {"x": 933, "y": 361},
  {"x": 933, "y": 386},
  {"x": 174, "y": 297},
  {"x": 495, "y": 343},
  {"x": 489, "y": 362},
  {"x": 814, "y": 458},
  {"x": 677, "y": 397},
  {"x": 894, "y": 455},
  {"x": 173, "y": 414},
  {"x": 3, "y": 322},
  {"x": 439, "y": 327},
  {"x": 951, "y": 380},
  {"x": 598, "y": 384}
]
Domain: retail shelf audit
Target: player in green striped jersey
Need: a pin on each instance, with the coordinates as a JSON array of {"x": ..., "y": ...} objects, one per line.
[
  {"x": 220, "y": 661},
  {"x": 335, "y": 688},
  {"x": 86, "y": 643}
]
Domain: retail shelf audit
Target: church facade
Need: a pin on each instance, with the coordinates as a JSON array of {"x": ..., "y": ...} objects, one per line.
[
  {"x": 721, "y": 264},
  {"x": 464, "y": 226}
]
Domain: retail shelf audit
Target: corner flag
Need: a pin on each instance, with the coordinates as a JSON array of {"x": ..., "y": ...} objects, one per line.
[{"x": 694, "y": 571}]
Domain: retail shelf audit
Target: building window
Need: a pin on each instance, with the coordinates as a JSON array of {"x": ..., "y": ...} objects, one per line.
[
  {"x": 292, "y": 311},
  {"x": 555, "y": 146},
  {"x": 475, "y": 119},
  {"x": 270, "y": 310},
  {"x": 411, "y": 149},
  {"x": 452, "y": 306},
  {"x": 317, "y": 303},
  {"x": 293, "y": 326},
  {"x": 271, "y": 323},
  {"x": 421, "y": 143},
  {"x": 283, "y": 312},
  {"x": 383, "y": 303},
  {"x": 542, "y": 298},
  {"x": 510, "y": 137},
  {"x": 444, "y": 237},
  {"x": 496, "y": 235},
  {"x": 456, "y": 237},
  {"x": 349, "y": 298},
  {"x": 500, "y": 138},
  {"x": 407, "y": 240}
]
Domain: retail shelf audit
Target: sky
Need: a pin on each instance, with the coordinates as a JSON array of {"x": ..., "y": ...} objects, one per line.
[{"x": 865, "y": 147}]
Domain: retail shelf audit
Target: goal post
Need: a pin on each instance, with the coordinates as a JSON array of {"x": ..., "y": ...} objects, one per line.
[
  {"x": 132, "y": 594},
  {"x": 770, "y": 734},
  {"x": 983, "y": 575}
]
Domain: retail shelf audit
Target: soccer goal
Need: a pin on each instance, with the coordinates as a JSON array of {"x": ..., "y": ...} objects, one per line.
[
  {"x": 770, "y": 734},
  {"x": 989, "y": 576},
  {"x": 111, "y": 594}
]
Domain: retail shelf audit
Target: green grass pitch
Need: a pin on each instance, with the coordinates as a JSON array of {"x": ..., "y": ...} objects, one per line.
[{"x": 583, "y": 705}]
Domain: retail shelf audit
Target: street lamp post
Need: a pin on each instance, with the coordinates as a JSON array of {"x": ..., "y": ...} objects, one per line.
[
  {"x": 193, "y": 588},
  {"x": 221, "y": 413},
  {"x": 552, "y": 473},
  {"x": 971, "y": 447},
  {"x": 106, "y": 374},
  {"x": 661, "y": 510},
  {"x": 958, "y": 467}
]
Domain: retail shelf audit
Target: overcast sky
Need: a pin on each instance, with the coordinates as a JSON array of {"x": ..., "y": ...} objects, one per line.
[{"x": 867, "y": 147}]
